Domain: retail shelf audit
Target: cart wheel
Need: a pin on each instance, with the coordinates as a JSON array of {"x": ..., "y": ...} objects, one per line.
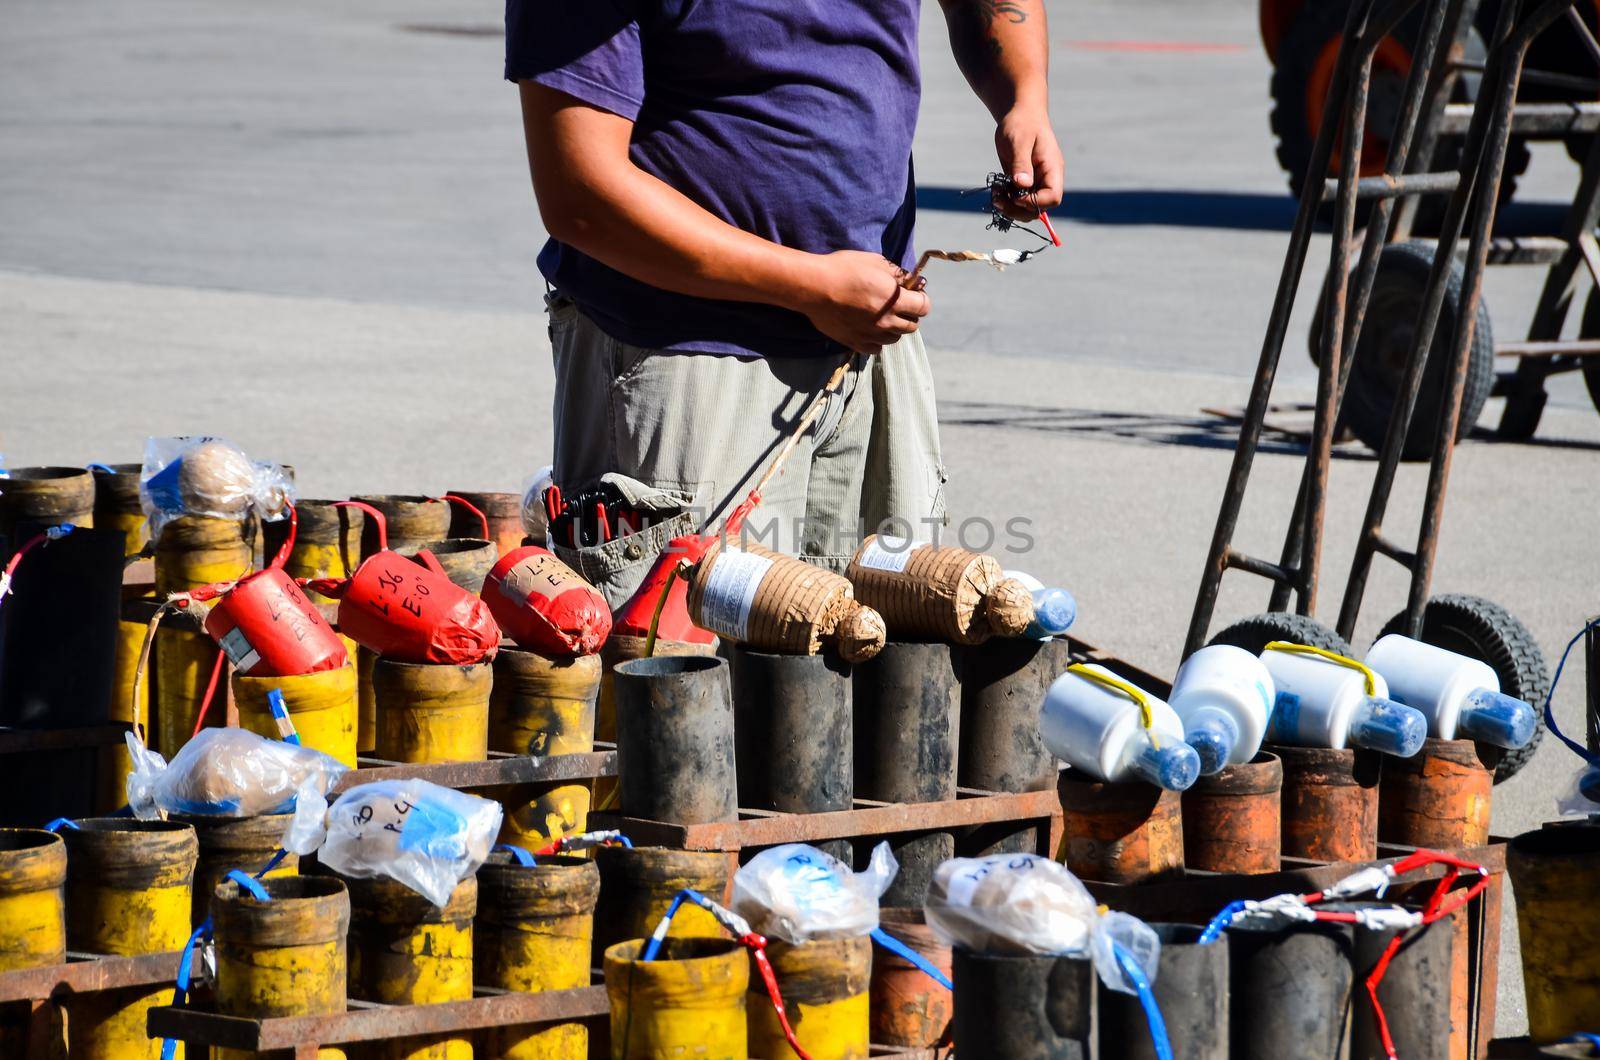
[
  {"x": 1253, "y": 634},
  {"x": 1482, "y": 629},
  {"x": 1591, "y": 330},
  {"x": 1306, "y": 57},
  {"x": 1385, "y": 345}
]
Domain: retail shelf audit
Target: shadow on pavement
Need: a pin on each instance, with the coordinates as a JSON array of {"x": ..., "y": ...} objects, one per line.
[
  {"x": 1200, "y": 431},
  {"x": 1144, "y": 206},
  {"x": 1184, "y": 208}
]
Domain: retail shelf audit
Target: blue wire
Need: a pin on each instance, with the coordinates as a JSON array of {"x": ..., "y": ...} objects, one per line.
[
  {"x": 61, "y": 822},
  {"x": 99, "y": 467},
  {"x": 1147, "y": 1000},
  {"x": 1220, "y": 922},
  {"x": 900, "y": 949},
  {"x": 521, "y": 856},
  {"x": 653, "y": 947},
  {"x": 1585, "y": 1036},
  {"x": 1549, "y": 714},
  {"x": 180, "y": 993}
]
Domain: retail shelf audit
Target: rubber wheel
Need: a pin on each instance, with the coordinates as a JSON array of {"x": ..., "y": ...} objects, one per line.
[
  {"x": 1482, "y": 629},
  {"x": 1253, "y": 634},
  {"x": 1385, "y": 345},
  {"x": 1591, "y": 330},
  {"x": 1305, "y": 59}
]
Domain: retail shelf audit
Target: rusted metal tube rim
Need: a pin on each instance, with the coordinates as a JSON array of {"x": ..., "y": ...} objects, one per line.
[
  {"x": 1262, "y": 775},
  {"x": 43, "y": 474},
  {"x": 669, "y": 665}
]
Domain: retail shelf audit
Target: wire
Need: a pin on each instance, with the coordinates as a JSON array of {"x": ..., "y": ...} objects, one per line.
[
  {"x": 901, "y": 950},
  {"x": 1549, "y": 712},
  {"x": 746, "y": 936},
  {"x": 1147, "y": 1000},
  {"x": 211, "y": 691}
]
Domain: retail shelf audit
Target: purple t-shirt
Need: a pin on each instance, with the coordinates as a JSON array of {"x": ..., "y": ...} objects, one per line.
[{"x": 791, "y": 119}]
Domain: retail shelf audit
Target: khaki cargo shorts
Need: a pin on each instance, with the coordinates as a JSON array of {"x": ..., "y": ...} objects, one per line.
[{"x": 702, "y": 428}]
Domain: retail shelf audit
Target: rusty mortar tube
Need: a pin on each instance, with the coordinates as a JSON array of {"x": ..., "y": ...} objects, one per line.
[
  {"x": 1130, "y": 832},
  {"x": 1440, "y": 797},
  {"x": 1232, "y": 820},
  {"x": 1330, "y": 802}
]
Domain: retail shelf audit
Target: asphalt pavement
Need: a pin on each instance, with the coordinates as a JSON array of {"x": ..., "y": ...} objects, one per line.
[{"x": 308, "y": 226}]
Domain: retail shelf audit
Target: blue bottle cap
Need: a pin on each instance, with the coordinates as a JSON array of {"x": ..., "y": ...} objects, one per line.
[
  {"x": 1384, "y": 725},
  {"x": 1496, "y": 718},
  {"x": 1054, "y": 611},
  {"x": 1175, "y": 766},
  {"x": 1213, "y": 735}
]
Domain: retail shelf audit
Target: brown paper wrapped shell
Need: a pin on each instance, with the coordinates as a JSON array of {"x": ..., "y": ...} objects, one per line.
[
  {"x": 943, "y": 593},
  {"x": 797, "y": 607}
]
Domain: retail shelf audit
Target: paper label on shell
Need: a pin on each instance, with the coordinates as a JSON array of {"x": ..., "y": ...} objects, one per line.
[
  {"x": 887, "y": 552},
  {"x": 544, "y": 576},
  {"x": 239, "y": 650},
  {"x": 963, "y": 885},
  {"x": 730, "y": 591}
]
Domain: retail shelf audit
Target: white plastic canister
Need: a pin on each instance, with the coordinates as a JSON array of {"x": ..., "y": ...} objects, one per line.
[
  {"x": 1459, "y": 695},
  {"x": 1324, "y": 702},
  {"x": 1224, "y": 696},
  {"x": 1097, "y": 728}
]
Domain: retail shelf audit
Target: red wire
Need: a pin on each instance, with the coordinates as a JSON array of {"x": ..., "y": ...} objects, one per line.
[
  {"x": 1436, "y": 909},
  {"x": 211, "y": 690},
  {"x": 758, "y": 948},
  {"x": 1048, "y": 227},
  {"x": 288, "y": 542},
  {"x": 474, "y": 509},
  {"x": 375, "y": 515}
]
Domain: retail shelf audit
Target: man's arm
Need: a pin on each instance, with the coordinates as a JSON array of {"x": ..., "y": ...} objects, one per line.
[
  {"x": 594, "y": 198},
  {"x": 1003, "y": 48}
]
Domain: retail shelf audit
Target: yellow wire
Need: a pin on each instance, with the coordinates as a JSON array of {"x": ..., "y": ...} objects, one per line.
[
  {"x": 1146, "y": 717},
  {"x": 655, "y": 616},
  {"x": 1291, "y": 648}
]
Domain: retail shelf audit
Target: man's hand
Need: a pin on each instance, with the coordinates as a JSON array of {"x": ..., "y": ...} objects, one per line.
[
  {"x": 1030, "y": 156},
  {"x": 854, "y": 297}
]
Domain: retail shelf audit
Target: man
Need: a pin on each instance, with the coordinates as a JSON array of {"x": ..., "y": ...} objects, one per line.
[{"x": 728, "y": 189}]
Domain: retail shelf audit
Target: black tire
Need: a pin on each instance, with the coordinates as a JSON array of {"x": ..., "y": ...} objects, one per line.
[
  {"x": 1253, "y": 634},
  {"x": 1317, "y": 23},
  {"x": 1380, "y": 358},
  {"x": 1591, "y": 330},
  {"x": 1482, "y": 629}
]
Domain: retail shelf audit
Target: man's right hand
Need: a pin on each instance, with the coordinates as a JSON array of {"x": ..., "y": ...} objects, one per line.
[{"x": 854, "y": 297}]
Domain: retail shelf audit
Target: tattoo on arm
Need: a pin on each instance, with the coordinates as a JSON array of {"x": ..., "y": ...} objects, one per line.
[{"x": 976, "y": 46}]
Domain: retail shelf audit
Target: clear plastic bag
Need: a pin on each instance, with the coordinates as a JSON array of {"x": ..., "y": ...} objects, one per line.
[
  {"x": 427, "y": 837},
  {"x": 1026, "y": 904},
  {"x": 226, "y": 773},
  {"x": 535, "y": 519},
  {"x": 798, "y": 893},
  {"x": 209, "y": 476},
  {"x": 1582, "y": 795}
]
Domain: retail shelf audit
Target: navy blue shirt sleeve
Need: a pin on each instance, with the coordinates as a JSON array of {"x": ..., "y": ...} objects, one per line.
[{"x": 588, "y": 49}]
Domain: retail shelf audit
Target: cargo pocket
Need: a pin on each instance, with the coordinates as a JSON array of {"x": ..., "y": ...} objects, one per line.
[{"x": 616, "y": 567}]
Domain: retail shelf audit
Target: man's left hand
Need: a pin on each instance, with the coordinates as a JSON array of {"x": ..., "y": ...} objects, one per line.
[{"x": 1030, "y": 156}]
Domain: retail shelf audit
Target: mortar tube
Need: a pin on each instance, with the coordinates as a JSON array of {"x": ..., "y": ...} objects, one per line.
[
  {"x": 675, "y": 750},
  {"x": 1024, "y": 1007},
  {"x": 907, "y": 737},
  {"x": 792, "y": 732},
  {"x": 1330, "y": 802},
  {"x": 1233, "y": 819},
  {"x": 1191, "y": 989},
  {"x": 1290, "y": 989}
]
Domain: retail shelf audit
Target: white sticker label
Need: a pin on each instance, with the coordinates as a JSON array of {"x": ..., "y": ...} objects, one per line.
[
  {"x": 887, "y": 552},
  {"x": 964, "y": 884},
  {"x": 239, "y": 650},
  {"x": 730, "y": 590}
]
